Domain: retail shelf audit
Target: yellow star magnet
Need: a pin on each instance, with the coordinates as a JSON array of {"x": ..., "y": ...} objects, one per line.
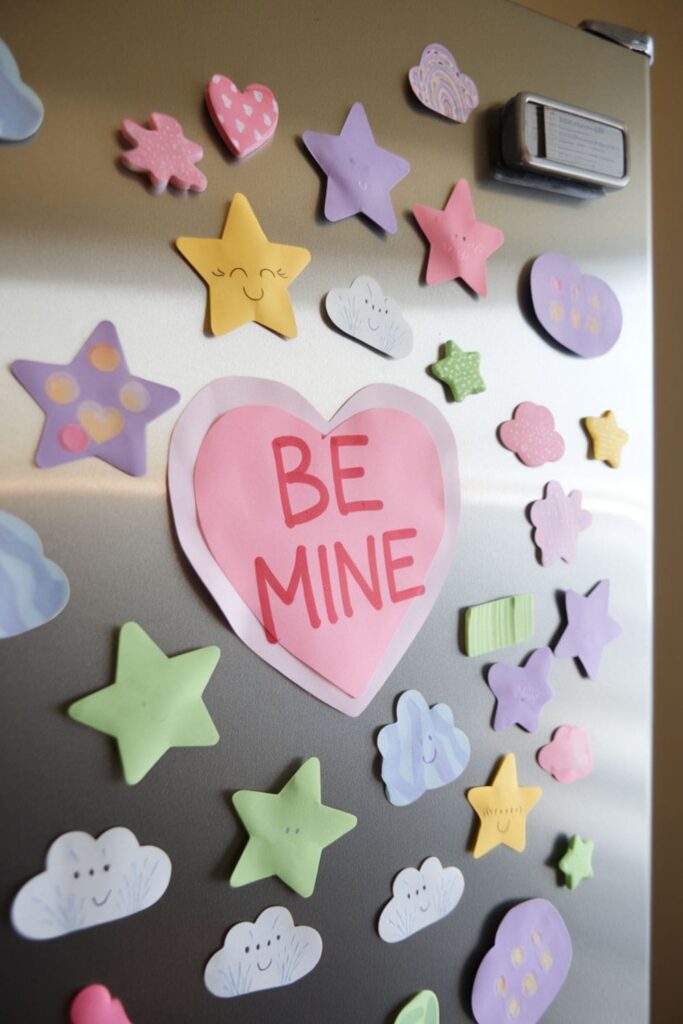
[
  {"x": 247, "y": 275},
  {"x": 608, "y": 438},
  {"x": 502, "y": 808}
]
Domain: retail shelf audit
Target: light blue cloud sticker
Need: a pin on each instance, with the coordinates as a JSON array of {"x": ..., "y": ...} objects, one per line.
[
  {"x": 422, "y": 750},
  {"x": 33, "y": 589},
  {"x": 21, "y": 111},
  {"x": 366, "y": 313}
]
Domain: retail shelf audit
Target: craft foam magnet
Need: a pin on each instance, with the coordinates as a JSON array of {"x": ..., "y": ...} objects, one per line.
[
  {"x": 33, "y": 590},
  {"x": 558, "y": 519},
  {"x": 523, "y": 972},
  {"x": 423, "y": 1008},
  {"x": 325, "y": 544},
  {"x": 95, "y": 1005},
  {"x": 439, "y": 84},
  {"x": 521, "y": 693},
  {"x": 93, "y": 405},
  {"x": 581, "y": 312},
  {"x": 288, "y": 831},
  {"x": 21, "y": 111},
  {"x": 496, "y": 624},
  {"x": 364, "y": 312},
  {"x": 163, "y": 153},
  {"x": 422, "y": 750},
  {"x": 155, "y": 702},
  {"x": 459, "y": 243},
  {"x": 247, "y": 275},
  {"x": 568, "y": 756},
  {"x": 360, "y": 174},
  {"x": 459, "y": 371},
  {"x": 531, "y": 435},
  {"x": 607, "y": 438},
  {"x": 502, "y": 809},
  {"x": 589, "y": 627},
  {"x": 577, "y": 863},
  {"x": 269, "y": 953},
  {"x": 244, "y": 120},
  {"x": 90, "y": 881},
  {"x": 421, "y": 896}
]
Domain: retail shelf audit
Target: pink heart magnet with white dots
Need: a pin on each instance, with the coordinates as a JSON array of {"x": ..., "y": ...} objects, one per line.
[{"x": 244, "y": 120}]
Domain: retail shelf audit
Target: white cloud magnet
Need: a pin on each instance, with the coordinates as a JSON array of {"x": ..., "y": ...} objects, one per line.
[
  {"x": 269, "y": 953},
  {"x": 90, "y": 881},
  {"x": 364, "y": 312},
  {"x": 421, "y": 896}
]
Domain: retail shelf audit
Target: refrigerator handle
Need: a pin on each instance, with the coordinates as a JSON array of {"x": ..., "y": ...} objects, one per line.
[{"x": 639, "y": 42}]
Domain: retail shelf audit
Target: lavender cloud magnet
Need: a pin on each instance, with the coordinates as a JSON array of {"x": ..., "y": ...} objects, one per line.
[{"x": 581, "y": 312}]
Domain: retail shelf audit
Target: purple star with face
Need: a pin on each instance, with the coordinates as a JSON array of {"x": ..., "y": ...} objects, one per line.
[
  {"x": 360, "y": 175},
  {"x": 589, "y": 627},
  {"x": 521, "y": 692},
  {"x": 93, "y": 405}
]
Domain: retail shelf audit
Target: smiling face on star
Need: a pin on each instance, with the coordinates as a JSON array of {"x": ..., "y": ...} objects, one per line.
[
  {"x": 253, "y": 283},
  {"x": 504, "y": 813}
]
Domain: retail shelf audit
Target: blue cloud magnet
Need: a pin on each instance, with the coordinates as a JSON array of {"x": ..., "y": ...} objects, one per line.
[
  {"x": 33, "y": 589},
  {"x": 21, "y": 111}
]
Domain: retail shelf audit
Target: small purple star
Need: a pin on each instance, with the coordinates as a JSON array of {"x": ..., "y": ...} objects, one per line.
[
  {"x": 93, "y": 405},
  {"x": 589, "y": 628},
  {"x": 521, "y": 692},
  {"x": 360, "y": 175}
]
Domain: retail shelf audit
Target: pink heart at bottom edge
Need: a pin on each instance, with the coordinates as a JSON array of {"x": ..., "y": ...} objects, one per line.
[
  {"x": 96, "y": 1005},
  {"x": 258, "y": 125},
  {"x": 211, "y": 545}
]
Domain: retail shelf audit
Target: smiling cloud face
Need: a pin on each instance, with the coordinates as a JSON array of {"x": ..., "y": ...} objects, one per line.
[
  {"x": 421, "y": 897},
  {"x": 366, "y": 313},
  {"x": 90, "y": 881},
  {"x": 33, "y": 589},
  {"x": 269, "y": 953}
]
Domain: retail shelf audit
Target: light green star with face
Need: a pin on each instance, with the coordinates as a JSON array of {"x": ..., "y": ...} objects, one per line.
[
  {"x": 576, "y": 863},
  {"x": 288, "y": 831},
  {"x": 459, "y": 371}
]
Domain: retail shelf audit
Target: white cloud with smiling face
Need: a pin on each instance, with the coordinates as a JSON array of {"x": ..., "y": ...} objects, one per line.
[
  {"x": 366, "y": 313},
  {"x": 269, "y": 953},
  {"x": 90, "y": 881},
  {"x": 420, "y": 897}
]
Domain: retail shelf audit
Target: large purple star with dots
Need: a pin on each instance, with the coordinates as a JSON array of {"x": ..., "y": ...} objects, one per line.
[
  {"x": 93, "y": 405},
  {"x": 589, "y": 627}
]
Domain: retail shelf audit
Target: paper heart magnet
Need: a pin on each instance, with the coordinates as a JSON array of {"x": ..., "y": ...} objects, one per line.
[
  {"x": 325, "y": 544},
  {"x": 579, "y": 311},
  {"x": 244, "y": 120},
  {"x": 439, "y": 84}
]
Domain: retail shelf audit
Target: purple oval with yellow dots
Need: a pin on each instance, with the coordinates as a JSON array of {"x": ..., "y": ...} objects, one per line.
[{"x": 580, "y": 312}]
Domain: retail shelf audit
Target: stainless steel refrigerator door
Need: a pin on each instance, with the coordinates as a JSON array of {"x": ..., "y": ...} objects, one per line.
[{"x": 82, "y": 241}]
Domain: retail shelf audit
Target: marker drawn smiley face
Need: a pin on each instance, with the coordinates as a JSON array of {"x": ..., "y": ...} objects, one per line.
[{"x": 253, "y": 285}]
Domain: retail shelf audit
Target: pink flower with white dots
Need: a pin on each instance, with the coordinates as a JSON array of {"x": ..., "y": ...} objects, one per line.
[{"x": 531, "y": 435}]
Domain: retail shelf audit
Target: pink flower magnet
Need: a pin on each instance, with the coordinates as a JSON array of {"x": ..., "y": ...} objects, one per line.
[
  {"x": 531, "y": 435},
  {"x": 439, "y": 84},
  {"x": 95, "y": 1005},
  {"x": 163, "y": 153},
  {"x": 581, "y": 312},
  {"x": 244, "y": 120},
  {"x": 568, "y": 756}
]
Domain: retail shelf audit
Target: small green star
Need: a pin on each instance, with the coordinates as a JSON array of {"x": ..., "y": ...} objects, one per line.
[
  {"x": 576, "y": 863},
  {"x": 288, "y": 831},
  {"x": 460, "y": 371}
]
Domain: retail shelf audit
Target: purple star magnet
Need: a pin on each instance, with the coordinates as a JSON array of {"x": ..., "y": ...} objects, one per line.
[
  {"x": 589, "y": 627},
  {"x": 93, "y": 405},
  {"x": 521, "y": 692},
  {"x": 360, "y": 175}
]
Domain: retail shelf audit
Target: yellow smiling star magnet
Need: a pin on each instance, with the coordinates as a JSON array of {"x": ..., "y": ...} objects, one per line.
[
  {"x": 502, "y": 808},
  {"x": 247, "y": 275}
]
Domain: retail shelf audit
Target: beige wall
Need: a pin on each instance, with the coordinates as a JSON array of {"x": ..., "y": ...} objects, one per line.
[{"x": 664, "y": 20}]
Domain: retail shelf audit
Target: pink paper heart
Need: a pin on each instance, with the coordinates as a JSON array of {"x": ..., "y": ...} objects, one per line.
[
  {"x": 439, "y": 84},
  {"x": 244, "y": 120},
  {"x": 95, "y": 1005},
  {"x": 364, "y": 577}
]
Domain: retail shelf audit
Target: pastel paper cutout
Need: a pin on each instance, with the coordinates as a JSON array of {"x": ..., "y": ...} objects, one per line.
[
  {"x": 21, "y": 110},
  {"x": 421, "y": 896},
  {"x": 423, "y": 1008},
  {"x": 96, "y": 1005},
  {"x": 422, "y": 750},
  {"x": 245, "y": 120},
  {"x": 577, "y": 863},
  {"x": 531, "y": 435},
  {"x": 410, "y": 464},
  {"x": 568, "y": 756},
  {"x": 558, "y": 519},
  {"x": 288, "y": 831},
  {"x": 581, "y": 312},
  {"x": 162, "y": 152},
  {"x": 589, "y": 628},
  {"x": 360, "y": 174},
  {"x": 93, "y": 405},
  {"x": 33, "y": 589},
  {"x": 248, "y": 277},
  {"x": 90, "y": 881},
  {"x": 502, "y": 809},
  {"x": 607, "y": 438},
  {"x": 459, "y": 243},
  {"x": 439, "y": 84},
  {"x": 269, "y": 953},
  {"x": 497, "y": 624},
  {"x": 154, "y": 704},
  {"x": 459, "y": 371},
  {"x": 521, "y": 693},
  {"x": 523, "y": 972},
  {"x": 364, "y": 312}
]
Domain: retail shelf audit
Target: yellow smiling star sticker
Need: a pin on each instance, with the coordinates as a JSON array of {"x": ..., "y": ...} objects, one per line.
[
  {"x": 608, "y": 438},
  {"x": 247, "y": 275},
  {"x": 502, "y": 808}
]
